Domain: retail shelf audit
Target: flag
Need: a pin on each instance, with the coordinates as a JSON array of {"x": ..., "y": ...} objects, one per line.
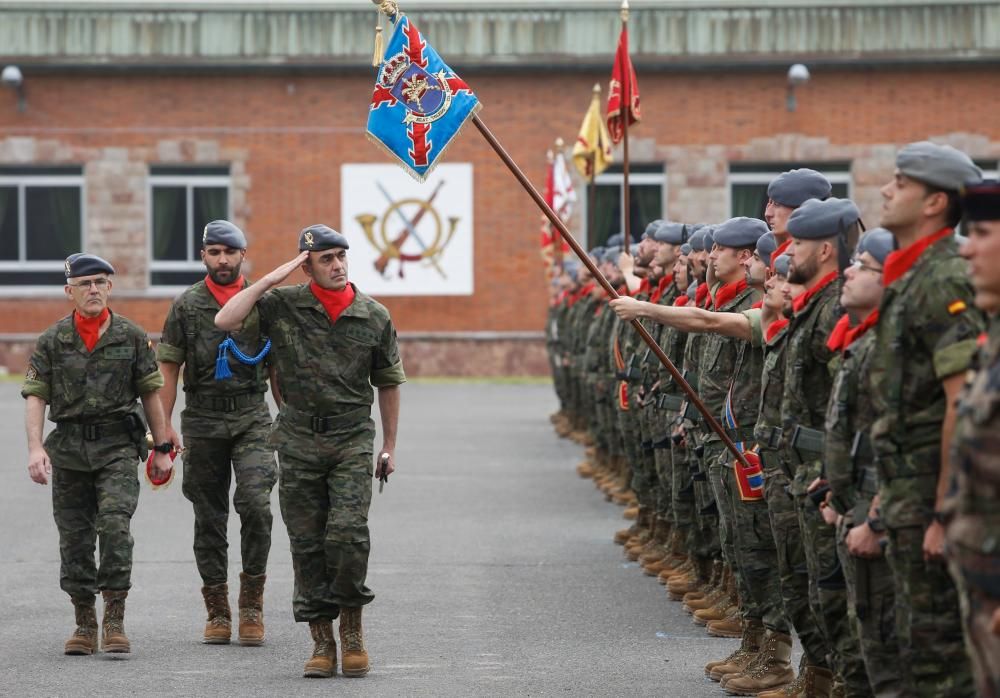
[
  {"x": 560, "y": 196},
  {"x": 419, "y": 104},
  {"x": 622, "y": 81},
  {"x": 592, "y": 150}
]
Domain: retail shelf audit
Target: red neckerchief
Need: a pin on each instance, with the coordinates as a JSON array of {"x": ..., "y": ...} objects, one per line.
[
  {"x": 682, "y": 300},
  {"x": 335, "y": 302},
  {"x": 89, "y": 328},
  {"x": 661, "y": 287},
  {"x": 901, "y": 261},
  {"x": 223, "y": 294},
  {"x": 622, "y": 290},
  {"x": 802, "y": 301},
  {"x": 844, "y": 335},
  {"x": 982, "y": 339},
  {"x": 758, "y": 305},
  {"x": 643, "y": 288},
  {"x": 775, "y": 327},
  {"x": 779, "y": 251},
  {"x": 587, "y": 288},
  {"x": 701, "y": 294},
  {"x": 561, "y": 298},
  {"x": 728, "y": 292}
]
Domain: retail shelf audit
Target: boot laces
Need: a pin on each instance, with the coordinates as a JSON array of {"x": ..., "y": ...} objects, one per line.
[
  {"x": 352, "y": 640},
  {"x": 219, "y": 621},
  {"x": 762, "y": 662},
  {"x": 114, "y": 626},
  {"x": 250, "y": 615},
  {"x": 322, "y": 648}
]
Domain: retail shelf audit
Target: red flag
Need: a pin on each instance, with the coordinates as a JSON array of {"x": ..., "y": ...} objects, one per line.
[{"x": 622, "y": 82}]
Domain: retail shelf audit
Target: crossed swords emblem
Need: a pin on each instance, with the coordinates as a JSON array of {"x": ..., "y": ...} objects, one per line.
[{"x": 390, "y": 249}]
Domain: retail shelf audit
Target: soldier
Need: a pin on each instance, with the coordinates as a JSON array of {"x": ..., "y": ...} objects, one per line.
[
  {"x": 925, "y": 341},
  {"x": 850, "y": 469},
  {"x": 225, "y": 424},
  {"x": 973, "y": 526},
  {"x": 787, "y": 192},
  {"x": 89, "y": 368},
  {"x": 331, "y": 345}
]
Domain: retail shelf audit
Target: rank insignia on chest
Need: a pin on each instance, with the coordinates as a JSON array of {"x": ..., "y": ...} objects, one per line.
[
  {"x": 750, "y": 481},
  {"x": 956, "y": 307}
]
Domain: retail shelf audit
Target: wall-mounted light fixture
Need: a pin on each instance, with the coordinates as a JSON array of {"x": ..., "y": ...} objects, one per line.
[
  {"x": 12, "y": 78},
  {"x": 798, "y": 74}
]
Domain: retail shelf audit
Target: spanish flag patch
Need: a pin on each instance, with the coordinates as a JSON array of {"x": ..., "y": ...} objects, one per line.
[{"x": 956, "y": 307}]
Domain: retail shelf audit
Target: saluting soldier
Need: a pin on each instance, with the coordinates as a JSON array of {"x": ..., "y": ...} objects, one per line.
[
  {"x": 225, "y": 424},
  {"x": 331, "y": 345},
  {"x": 90, "y": 368},
  {"x": 973, "y": 507}
]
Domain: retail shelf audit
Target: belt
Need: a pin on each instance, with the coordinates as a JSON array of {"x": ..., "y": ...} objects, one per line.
[
  {"x": 809, "y": 440},
  {"x": 672, "y": 403},
  {"x": 691, "y": 413},
  {"x": 743, "y": 434},
  {"x": 95, "y": 432},
  {"x": 321, "y": 424},
  {"x": 224, "y": 403}
]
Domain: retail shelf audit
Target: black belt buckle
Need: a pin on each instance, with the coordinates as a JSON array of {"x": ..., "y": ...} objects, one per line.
[
  {"x": 319, "y": 424},
  {"x": 226, "y": 404},
  {"x": 774, "y": 438},
  {"x": 91, "y": 432}
]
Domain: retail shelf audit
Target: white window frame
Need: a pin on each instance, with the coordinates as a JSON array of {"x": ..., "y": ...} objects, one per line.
[
  {"x": 618, "y": 178},
  {"x": 764, "y": 176},
  {"x": 189, "y": 182},
  {"x": 22, "y": 182}
]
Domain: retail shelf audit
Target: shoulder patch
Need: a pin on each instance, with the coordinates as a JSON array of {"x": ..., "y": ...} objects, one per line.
[
  {"x": 956, "y": 307},
  {"x": 31, "y": 374}
]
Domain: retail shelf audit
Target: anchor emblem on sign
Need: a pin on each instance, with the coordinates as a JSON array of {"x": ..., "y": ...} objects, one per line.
[{"x": 409, "y": 212}]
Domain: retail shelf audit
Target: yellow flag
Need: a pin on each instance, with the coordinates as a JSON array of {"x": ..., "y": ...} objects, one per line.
[{"x": 592, "y": 150}]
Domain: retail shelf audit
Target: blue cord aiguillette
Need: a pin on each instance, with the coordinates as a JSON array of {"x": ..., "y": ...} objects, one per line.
[{"x": 222, "y": 371}]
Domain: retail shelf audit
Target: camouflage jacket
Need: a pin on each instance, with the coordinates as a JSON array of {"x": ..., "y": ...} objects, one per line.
[
  {"x": 87, "y": 388},
  {"x": 927, "y": 332},
  {"x": 772, "y": 388}
]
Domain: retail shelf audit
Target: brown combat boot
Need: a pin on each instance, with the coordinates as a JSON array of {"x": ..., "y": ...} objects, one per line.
[
  {"x": 771, "y": 669},
  {"x": 717, "y": 612},
  {"x": 219, "y": 626},
  {"x": 353, "y": 654},
  {"x": 84, "y": 638},
  {"x": 818, "y": 683},
  {"x": 113, "y": 638},
  {"x": 730, "y": 626},
  {"x": 323, "y": 662},
  {"x": 707, "y": 595},
  {"x": 585, "y": 470},
  {"x": 753, "y": 635},
  {"x": 789, "y": 691},
  {"x": 624, "y": 535},
  {"x": 631, "y": 513},
  {"x": 251, "y": 632}
]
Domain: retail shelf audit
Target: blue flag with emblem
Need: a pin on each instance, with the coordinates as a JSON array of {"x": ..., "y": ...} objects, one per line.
[{"x": 419, "y": 104}]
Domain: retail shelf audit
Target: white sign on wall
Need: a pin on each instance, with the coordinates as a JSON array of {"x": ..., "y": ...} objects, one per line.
[{"x": 408, "y": 238}]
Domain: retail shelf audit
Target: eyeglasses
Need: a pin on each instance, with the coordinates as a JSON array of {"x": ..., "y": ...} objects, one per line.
[
  {"x": 92, "y": 283},
  {"x": 858, "y": 265}
]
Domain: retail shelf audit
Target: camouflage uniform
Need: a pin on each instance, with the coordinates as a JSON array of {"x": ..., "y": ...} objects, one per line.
[
  {"x": 974, "y": 525},
  {"x": 224, "y": 424},
  {"x": 323, "y": 435},
  {"x": 927, "y": 332},
  {"x": 95, "y": 448}
]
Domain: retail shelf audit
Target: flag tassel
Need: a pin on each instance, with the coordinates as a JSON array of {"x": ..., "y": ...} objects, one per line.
[{"x": 379, "y": 54}]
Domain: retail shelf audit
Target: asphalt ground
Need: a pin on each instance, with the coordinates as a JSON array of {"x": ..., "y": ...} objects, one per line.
[{"x": 493, "y": 566}]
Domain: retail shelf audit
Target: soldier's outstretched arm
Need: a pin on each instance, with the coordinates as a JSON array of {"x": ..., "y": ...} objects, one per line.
[
  {"x": 39, "y": 465},
  {"x": 234, "y": 312},
  {"x": 685, "y": 319}
]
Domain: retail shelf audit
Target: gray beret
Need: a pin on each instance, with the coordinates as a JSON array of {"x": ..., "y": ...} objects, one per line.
[
  {"x": 633, "y": 249},
  {"x": 611, "y": 254},
  {"x": 83, "y": 264},
  {"x": 321, "y": 237},
  {"x": 616, "y": 240},
  {"x": 740, "y": 232},
  {"x": 224, "y": 233},
  {"x": 571, "y": 267},
  {"x": 818, "y": 220},
  {"x": 940, "y": 166},
  {"x": 781, "y": 264},
  {"x": 686, "y": 249},
  {"x": 692, "y": 291},
  {"x": 651, "y": 229},
  {"x": 766, "y": 246},
  {"x": 597, "y": 253},
  {"x": 671, "y": 233},
  {"x": 878, "y": 242},
  {"x": 702, "y": 239},
  {"x": 795, "y": 187}
]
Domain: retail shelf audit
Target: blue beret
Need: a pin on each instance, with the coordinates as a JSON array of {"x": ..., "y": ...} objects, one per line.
[
  {"x": 692, "y": 291},
  {"x": 795, "y": 187},
  {"x": 83, "y": 264},
  {"x": 878, "y": 242},
  {"x": 651, "y": 229},
  {"x": 781, "y": 264},
  {"x": 940, "y": 166},
  {"x": 686, "y": 248},
  {"x": 818, "y": 220},
  {"x": 702, "y": 239},
  {"x": 981, "y": 202},
  {"x": 672, "y": 233},
  {"x": 766, "y": 246},
  {"x": 597, "y": 253},
  {"x": 616, "y": 240},
  {"x": 321, "y": 237},
  {"x": 740, "y": 232},
  {"x": 223, "y": 233},
  {"x": 611, "y": 254}
]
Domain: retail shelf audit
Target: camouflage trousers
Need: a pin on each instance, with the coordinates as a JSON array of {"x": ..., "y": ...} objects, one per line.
[
  {"x": 681, "y": 493},
  {"x": 724, "y": 506},
  {"x": 872, "y": 608},
  {"x": 89, "y": 507},
  {"x": 792, "y": 570},
  {"x": 209, "y": 467},
  {"x": 928, "y": 621},
  {"x": 707, "y": 543},
  {"x": 979, "y": 602},
  {"x": 325, "y": 508}
]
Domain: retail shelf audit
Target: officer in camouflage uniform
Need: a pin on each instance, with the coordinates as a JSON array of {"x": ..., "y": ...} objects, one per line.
[
  {"x": 90, "y": 368},
  {"x": 225, "y": 424},
  {"x": 331, "y": 344},
  {"x": 972, "y": 508},
  {"x": 925, "y": 341},
  {"x": 850, "y": 468}
]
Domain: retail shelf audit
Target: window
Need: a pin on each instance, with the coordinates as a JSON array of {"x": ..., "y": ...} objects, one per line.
[
  {"x": 646, "y": 201},
  {"x": 182, "y": 201},
  {"x": 41, "y": 223},
  {"x": 748, "y": 183}
]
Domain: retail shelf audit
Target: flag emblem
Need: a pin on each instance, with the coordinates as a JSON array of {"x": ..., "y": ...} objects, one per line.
[{"x": 750, "y": 481}]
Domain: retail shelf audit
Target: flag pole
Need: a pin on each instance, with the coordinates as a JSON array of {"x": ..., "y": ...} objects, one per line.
[
  {"x": 626, "y": 112},
  {"x": 592, "y": 189},
  {"x": 556, "y": 246},
  {"x": 539, "y": 200}
]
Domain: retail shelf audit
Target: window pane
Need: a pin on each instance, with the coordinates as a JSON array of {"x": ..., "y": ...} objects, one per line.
[
  {"x": 53, "y": 222},
  {"x": 176, "y": 278},
  {"x": 646, "y": 202},
  {"x": 8, "y": 223},
  {"x": 748, "y": 200},
  {"x": 169, "y": 223},
  {"x": 839, "y": 190},
  {"x": 210, "y": 204},
  {"x": 607, "y": 214}
]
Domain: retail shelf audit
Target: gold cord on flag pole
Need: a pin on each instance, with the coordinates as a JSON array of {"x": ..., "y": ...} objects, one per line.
[{"x": 379, "y": 54}]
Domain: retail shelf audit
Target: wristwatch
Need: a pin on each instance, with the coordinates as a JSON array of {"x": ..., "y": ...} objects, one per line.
[
  {"x": 876, "y": 525},
  {"x": 940, "y": 517},
  {"x": 165, "y": 447}
]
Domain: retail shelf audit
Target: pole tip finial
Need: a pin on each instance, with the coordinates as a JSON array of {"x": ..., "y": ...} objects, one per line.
[
  {"x": 624, "y": 10},
  {"x": 597, "y": 88},
  {"x": 560, "y": 142}
]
